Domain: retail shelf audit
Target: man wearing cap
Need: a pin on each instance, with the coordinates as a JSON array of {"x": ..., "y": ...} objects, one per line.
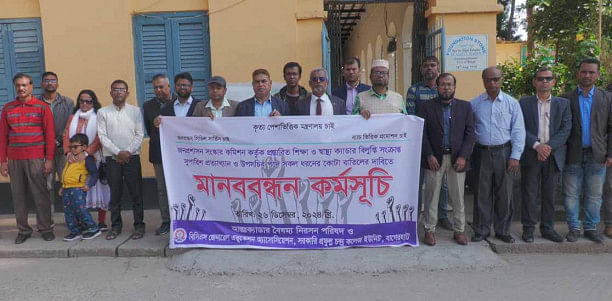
[
  {"x": 218, "y": 105},
  {"x": 319, "y": 103},
  {"x": 379, "y": 99}
]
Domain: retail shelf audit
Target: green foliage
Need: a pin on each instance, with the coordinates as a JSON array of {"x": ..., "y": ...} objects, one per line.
[
  {"x": 569, "y": 27},
  {"x": 518, "y": 77}
]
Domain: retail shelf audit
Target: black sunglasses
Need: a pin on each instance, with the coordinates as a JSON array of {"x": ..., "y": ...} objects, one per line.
[{"x": 543, "y": 78}]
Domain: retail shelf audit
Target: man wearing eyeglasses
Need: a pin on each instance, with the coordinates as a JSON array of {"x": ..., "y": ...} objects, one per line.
[
  {"x": 184, "y": 104},
  {"x": 319, "y": 103},
  {"x": 152, "y": 109},
  {"x": 589, "y": 152},
  {"x": 379, "y": 99},
  {"x": 548, "y": 121},
  {"x": 500, "y": 140},
  {"x": 61, "y": 107},
  {"x": 120, "y": 129}
]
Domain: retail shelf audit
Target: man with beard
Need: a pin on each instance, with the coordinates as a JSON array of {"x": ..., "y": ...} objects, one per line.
[
  {"x": 447, "y": 146},
  {"x": 61, "y": 107},
  {"x": 500, "y": 140},
  {"x": 184, "y": 105},
  {"x": 589, "y": 152},
  {"x": 263, "y": 104},
  {"x": 379, "y": 99},
  {"x": 292, "y": 93},
  {"x": 351, "y": 71},
  {"x": 152, "y": 109},
  {"x": 417, "y": 95},
  {"x": 548, "y": 121},
  {"x": 421, "y": 92},
  {"x": 319, "y": 103}
]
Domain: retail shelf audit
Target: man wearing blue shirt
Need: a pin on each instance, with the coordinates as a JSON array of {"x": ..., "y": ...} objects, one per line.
[
  {"x": 500, "y": 140},
  {"x": 263, "y": 104},
  {"x": 589, "y": 151}
]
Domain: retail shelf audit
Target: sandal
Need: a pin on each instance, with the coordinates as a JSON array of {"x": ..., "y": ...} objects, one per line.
[
  {"x": 112, "y": 234},
  {"x": 137, "y": 235}
]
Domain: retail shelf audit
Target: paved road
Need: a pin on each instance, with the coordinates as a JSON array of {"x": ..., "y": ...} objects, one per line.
[{"x": 524, "y": 277}]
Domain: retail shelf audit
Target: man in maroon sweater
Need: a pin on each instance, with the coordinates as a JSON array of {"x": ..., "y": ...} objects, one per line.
[{"x": 27, "y": 147}]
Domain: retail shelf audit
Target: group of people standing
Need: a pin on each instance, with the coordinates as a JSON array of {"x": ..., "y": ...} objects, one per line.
[{"x": 493, "y": 136}]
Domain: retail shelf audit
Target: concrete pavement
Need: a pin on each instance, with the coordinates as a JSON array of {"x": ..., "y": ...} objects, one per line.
[{"x": 157, "y": 246}]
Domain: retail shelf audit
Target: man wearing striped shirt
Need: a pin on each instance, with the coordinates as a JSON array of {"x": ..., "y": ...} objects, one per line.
[{"x": 27, "y": 150}]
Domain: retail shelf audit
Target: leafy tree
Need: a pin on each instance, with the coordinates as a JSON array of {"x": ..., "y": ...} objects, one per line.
[
  {"x": 506, "y": 25},
  {"x": 569, "y": 25}
]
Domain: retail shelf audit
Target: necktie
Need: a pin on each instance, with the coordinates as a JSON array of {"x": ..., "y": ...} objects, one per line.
[{"x": 318, "y": 106}]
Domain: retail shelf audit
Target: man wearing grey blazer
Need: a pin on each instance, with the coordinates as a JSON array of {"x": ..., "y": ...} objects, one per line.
[
  {"x": 218, "y": 105},
  {"x": 548, "y": 121},
  {"x": 318, "y": 102},
  {"x": 589, "y": 151}
]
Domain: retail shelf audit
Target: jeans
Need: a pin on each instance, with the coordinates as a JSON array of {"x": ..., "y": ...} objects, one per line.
[
  {"x": 589, "y": 175},
  {"x": 75, "y": 212}
]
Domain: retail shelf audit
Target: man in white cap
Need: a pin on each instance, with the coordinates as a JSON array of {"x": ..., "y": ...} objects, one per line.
[{"x": 379, "y": 99}]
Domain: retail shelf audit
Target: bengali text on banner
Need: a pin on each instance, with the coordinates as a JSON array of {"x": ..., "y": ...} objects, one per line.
[{"x": 292, "y": 182}]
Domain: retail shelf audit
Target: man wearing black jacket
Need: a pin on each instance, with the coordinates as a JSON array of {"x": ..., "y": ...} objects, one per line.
[
  {"x": 152, "y": 109},
  {"x": 448, "y": 140}
]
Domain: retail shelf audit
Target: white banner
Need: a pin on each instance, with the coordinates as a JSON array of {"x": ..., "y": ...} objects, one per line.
[{"x": 292, "y": 182}]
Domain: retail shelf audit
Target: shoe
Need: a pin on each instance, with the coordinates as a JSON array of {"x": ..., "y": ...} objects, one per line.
[
  {"x": 593, "y": 236},
  {"x": 72, "y": 236},
  {"x": 163, "y": 229},
  {"x": 478, "y": 237},
  {"x": 21, "y": 238},
  {"x": 552, "y": 235},
  {"x": 48, "y": 236},
  {"x": 102, "y": 227},
  {"x": 460, "y": 238},
  {"x": 572, "y": 235},
  {"x": 112, "y": 234},
  {"x": 527, "y": 236},
  {"x": 445, "y": 224},
  {"x": 92, "y": 235},
  {"x": 138, "y": 234},
  {"x": 505, "y": 238},
  {"x": 430, "y": 238},
  {"x": 608, "y": 231}
]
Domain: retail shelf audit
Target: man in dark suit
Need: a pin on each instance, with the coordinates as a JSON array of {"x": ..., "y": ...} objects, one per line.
[
  {"x": 152, "y": 109},
  {"x": 319, "y": 103},
  {"x": 351, "y": 71},
  {"x": 548, "y": 121},
  {"x": 263, "y": 104},
  {"x": 184, "y": 104},
  {"x": 448, "y": 140},
  {"x": 589, "y": 151},
  {"x": 218, "y": 105}
]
